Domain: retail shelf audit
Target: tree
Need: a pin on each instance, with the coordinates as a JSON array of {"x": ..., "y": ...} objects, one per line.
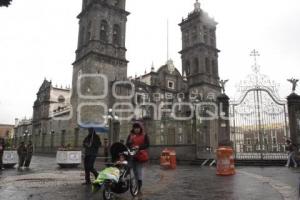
[{"x": 5, "y": 3}]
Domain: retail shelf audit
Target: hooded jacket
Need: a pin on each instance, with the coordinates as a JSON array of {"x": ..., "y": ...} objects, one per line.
[{"x": 144, "y": 145}]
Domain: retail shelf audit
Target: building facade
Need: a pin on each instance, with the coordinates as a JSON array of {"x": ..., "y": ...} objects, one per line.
[{"x": 60, "y": 116}]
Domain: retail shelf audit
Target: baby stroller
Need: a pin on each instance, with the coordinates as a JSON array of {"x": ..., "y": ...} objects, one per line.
[{"x": 118, "y": 177}]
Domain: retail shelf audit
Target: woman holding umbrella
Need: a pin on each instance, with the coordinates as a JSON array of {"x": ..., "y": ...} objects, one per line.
[{"x": 91, "y": 145}]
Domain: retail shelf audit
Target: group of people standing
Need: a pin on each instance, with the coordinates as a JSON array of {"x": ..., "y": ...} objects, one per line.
[{"x": 25, "y": 154}]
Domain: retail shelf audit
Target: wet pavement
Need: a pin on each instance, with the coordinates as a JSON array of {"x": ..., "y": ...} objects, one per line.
[{"x": 46, "y": 181}]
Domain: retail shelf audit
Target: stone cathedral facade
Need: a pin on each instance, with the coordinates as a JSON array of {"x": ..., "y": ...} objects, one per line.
[{"x": 100, "y": 76}]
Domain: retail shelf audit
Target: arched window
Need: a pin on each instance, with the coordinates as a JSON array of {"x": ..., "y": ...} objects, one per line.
[
  {"x": 117, "y": 35},
  {"x": 89, "y": 31},
  {"x": 81, "y": 38},
  {"x": 186, "y": 38},
  {"x": 103, "y": 31},
  {"x": 196, "y": 65},
  {"x": 207, "y": 66},
  {"x": 214, "y": 67},
  {"x": 187, "y": 68},
  {"x": 194, "y": 33}
]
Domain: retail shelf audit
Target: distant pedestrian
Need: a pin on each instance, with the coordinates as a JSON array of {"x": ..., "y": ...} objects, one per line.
[
  {"x": 91, "y": 146},
  {"x": 22, "y": 154},
  {"x": 292, "y": 151},
  {"x": 29, "y": 152},
  {"x": 2, "y": 147}
]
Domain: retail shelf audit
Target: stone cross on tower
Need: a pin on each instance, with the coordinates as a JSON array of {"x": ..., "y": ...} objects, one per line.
[
  {"x": 255, "y": 54},
  {"x": 197, "y": 6}
]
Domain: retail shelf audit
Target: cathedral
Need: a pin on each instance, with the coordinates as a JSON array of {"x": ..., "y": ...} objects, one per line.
[{"x": 102, "y": 93}]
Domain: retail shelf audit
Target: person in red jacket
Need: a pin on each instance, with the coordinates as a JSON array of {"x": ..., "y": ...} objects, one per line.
[{"x": 139, "y": 140}]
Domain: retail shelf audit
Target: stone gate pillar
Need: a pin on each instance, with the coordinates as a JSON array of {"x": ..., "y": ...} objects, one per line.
[
  {"x": 223, "y": 121},
  {"x": 294, "y": 117}
]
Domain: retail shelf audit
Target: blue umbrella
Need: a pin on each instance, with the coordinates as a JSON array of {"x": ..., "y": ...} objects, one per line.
[{"x": 101, "y": 129}]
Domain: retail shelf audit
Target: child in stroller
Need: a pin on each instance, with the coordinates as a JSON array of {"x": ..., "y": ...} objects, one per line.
[{"x": 117, "y": 177}]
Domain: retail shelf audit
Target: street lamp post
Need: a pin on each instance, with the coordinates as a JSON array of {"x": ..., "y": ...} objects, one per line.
[
  {"x": 112, "y": 118},
  {"x": 195, "y": 132},
  {"x": 25, "y": 135},
  {"x": 52, "y": 139},
  {"x": 109, "y": 116}
]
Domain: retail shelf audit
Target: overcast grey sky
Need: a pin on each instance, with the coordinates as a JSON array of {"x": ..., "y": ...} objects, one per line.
[{"x": 38, "y": 39}]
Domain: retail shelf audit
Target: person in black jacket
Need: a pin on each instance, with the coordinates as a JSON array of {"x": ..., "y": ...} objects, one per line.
[
  {"x": 22, "y": 154},
  {"x": 292, "y": 151},
  {"x": 29, "y": 150},
  {"x": 91, "y": 145},
  {"x": 2, "y": 148}
]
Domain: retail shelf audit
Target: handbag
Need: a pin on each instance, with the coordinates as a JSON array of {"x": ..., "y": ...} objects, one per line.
[{"x": 142, "y": 156}]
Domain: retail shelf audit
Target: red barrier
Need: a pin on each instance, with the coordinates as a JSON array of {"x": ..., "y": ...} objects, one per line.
[
  {"x": 225, "y": 161},
  {"x": 168, "y": 159}
]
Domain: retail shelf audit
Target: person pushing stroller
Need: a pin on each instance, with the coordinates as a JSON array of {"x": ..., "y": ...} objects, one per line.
[{"x": 139, "y": 140}]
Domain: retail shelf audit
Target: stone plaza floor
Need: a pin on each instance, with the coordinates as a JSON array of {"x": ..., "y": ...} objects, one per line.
[{"x": 46, "y": 181}]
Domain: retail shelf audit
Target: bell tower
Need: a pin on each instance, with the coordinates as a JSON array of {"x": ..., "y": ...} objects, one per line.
[
  {"x": 100, "y": 55},
  {"x": 199, "y": 53}
]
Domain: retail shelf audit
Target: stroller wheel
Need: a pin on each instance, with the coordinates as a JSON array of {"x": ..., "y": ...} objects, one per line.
[
  {"x": 107, "y": 193},
  {"x": 134, "y": 188}
]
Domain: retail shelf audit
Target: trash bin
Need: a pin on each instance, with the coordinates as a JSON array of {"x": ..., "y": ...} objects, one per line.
[
  {"x": 225, "y": 161},
  {"x": 172, "y": 159},
  {"x": 168, "y": 159},
  {"x": 165, "y": 158}
]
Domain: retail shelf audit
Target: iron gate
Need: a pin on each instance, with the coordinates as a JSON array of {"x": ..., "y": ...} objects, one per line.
[{"x": 259, "y": 123}]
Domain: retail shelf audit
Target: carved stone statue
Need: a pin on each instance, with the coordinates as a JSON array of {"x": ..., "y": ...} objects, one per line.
[
  {"x": 294, "y": 82},
  {"x": 222, "y": 84}
]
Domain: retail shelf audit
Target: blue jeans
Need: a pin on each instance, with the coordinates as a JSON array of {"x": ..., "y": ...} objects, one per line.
[
  {"x": 138, "y": 170},
  {"x": 291, "y": 157}
]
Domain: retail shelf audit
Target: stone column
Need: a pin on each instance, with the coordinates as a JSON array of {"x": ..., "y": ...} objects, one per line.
[
  {"x": 223, "y": 121},
  {"x": 294, "y": 117}
]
